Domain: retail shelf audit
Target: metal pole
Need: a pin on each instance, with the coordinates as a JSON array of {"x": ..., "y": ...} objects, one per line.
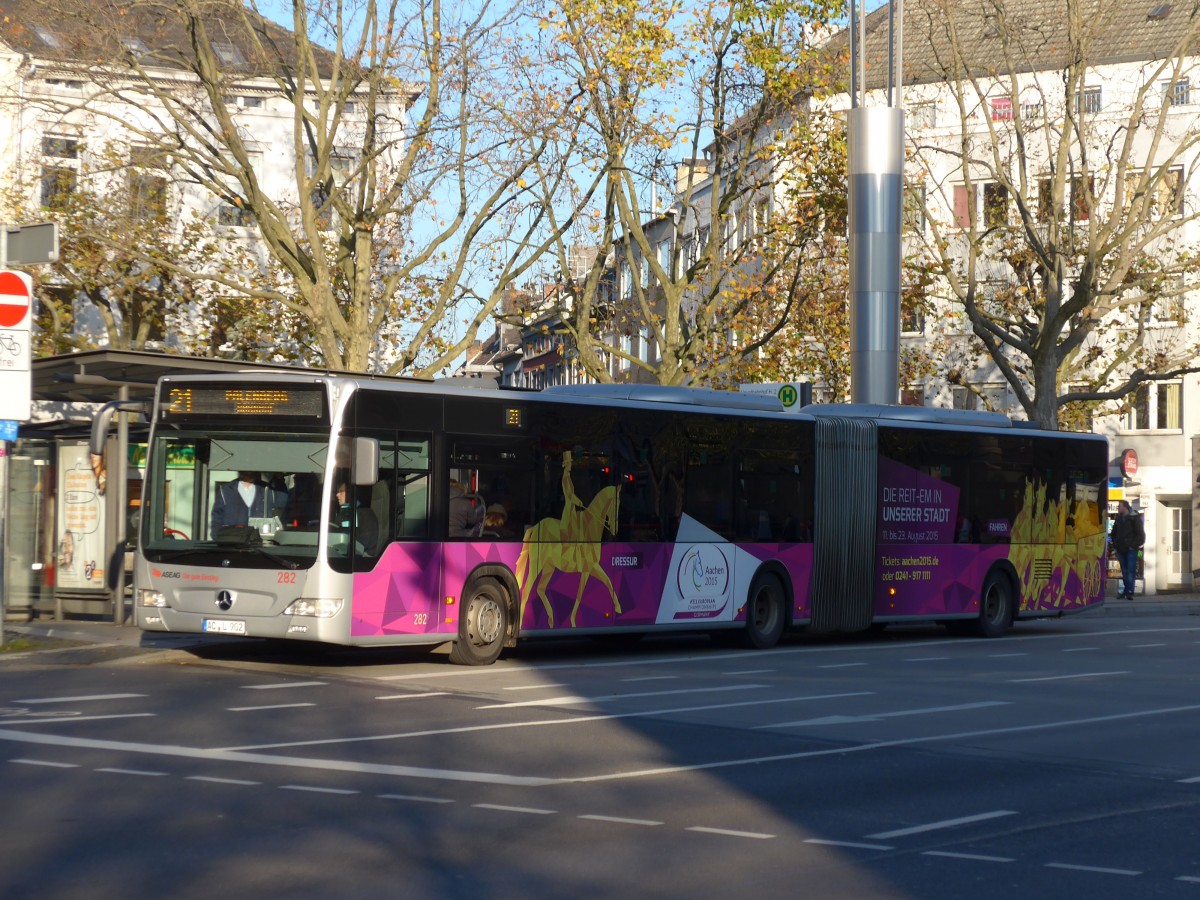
[
  {"x": 120, "y": 499},
  {"x": 4, "y": 503}
]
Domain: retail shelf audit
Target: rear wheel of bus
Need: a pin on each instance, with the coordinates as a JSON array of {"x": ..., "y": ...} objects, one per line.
[
  {"x": 996, "y": 609},
  {"x": 482, "y": 626}
]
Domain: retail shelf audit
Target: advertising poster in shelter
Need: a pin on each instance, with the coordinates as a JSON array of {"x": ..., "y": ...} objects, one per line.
[{"x": 79, "y": 555}]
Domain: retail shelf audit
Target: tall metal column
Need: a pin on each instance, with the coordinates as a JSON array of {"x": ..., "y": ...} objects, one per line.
[{"x": 876, "y": 200}]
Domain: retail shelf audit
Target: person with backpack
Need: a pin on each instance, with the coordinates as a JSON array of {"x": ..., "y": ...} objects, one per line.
[{"x": 1127, "y": 538}]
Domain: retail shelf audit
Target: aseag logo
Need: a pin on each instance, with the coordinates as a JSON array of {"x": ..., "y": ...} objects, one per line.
[{"x": 703, "y": 573}]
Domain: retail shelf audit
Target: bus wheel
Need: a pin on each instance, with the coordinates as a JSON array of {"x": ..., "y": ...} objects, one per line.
[
  {"x": 764, "y": 613},
  {"x": 483, "y": 626},
  {"x": 995, "y": 607}
]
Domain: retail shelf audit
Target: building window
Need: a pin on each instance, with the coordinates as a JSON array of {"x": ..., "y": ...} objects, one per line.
[
  {"x": 1087, "y": 101},
  {"x": 989, "y": 397},
  {"x": 60, "y": 147},
  {"x": 57, "y": 185},
  {"x": 1165, "y": 198},
  {"x": 228, "y": 53},
  {"x": 912, "y": 396},
  {"x": 147, "y": 195},
  {"x": 1045, "y": 200},
  {"x": 234, "y": 215},
  {"x": 964, "y": 204},
  {"x": 1081, "y": 198},
  {"x": 995, "y": 204},
  {"x": 1157, "y": 406},
  {"x": 1002, "y": 109},
  {"x": 1176, "y": 93},
  {"x": 1031, "y": 109},
  {"x": 914, "y": 209},
  {"x": 923, "y": 115}
]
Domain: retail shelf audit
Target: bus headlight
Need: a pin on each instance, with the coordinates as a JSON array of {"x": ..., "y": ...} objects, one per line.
[
  {"x": 318, "y": 607},
  {"x": 156, "y": 599}
]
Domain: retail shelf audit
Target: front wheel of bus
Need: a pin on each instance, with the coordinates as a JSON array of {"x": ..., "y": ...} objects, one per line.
[
  {"x": 483, "y": 626},
  {"x": 764, "y": 613}
]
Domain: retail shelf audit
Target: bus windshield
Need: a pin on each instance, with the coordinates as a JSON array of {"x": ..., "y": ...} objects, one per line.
[{"x": 252, "y": 499}]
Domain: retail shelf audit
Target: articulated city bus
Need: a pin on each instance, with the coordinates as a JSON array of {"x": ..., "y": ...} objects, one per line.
[{"x": 358, "y": 512}]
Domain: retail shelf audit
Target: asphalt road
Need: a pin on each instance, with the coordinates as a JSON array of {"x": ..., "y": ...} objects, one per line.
[{"x": 1059, "y": 760}]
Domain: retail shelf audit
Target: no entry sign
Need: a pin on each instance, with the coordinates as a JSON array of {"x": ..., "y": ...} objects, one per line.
[{"x": 16, "y": 289}]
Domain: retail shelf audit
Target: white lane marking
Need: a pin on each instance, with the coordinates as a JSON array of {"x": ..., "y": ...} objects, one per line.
[
  {"x": 860, "y": 846},
  {"x": 413, "y": 798},
  {"x": 928, "y": 658},
  {"x": 284, "y": 685},
  {"x": 1193, "y": 878},
  {"x": 65, "y": 719},
  {"x": 945, "y": 823},
  {"x": 535, "y": 687},
  {"x": 751, "y": 672},
  {"x": 727, "y": 832},
  {"x": 1143, "y": 646},
  {"x": 272, "y": 706},
  {"x": 412, "y": 696},
  {"x": 978, "y": 857},
  {"x": 572, "y": 699},
  {"x": 843, "y": 665},
  {"x": 213, "y": 779},
  {"x": 46, "y": 762},
  {"x": 1006, "y": 655},
  {"x": 85, "y": 698},
  {"x": 1189, "y": 780},
  {"x": 145, "y": 772},
  {"x": 517, "y": 809},
  {"x": 619, "y": 820},
  {"x": 1079, "y": 649},
  {"x": 875, "y": 717},
  {"x": 316, "y": 790},
  {"x": 1100, "y": 869},
  {"x": 606, "y": 717},
  {"x": 265, "y": 759},
  {"x": 1064, "y": 677},
  {"x": 650, "y": 678},
  {"x": 876, "y": 745}
]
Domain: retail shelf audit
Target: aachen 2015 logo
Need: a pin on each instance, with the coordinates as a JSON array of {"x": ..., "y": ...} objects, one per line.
[{"x": 703, "y": 573}]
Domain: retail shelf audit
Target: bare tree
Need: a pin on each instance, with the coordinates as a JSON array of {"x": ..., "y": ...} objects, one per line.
[
  {"x": 1058, "y": 218},
  {"x": 411, "y": 129}
]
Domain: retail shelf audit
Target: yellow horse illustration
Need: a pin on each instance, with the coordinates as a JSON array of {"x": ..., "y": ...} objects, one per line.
[{"x": 568, "y": 544}]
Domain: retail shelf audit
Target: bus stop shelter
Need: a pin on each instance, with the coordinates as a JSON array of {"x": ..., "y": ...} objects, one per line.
[{"x": 70, "y": 520}]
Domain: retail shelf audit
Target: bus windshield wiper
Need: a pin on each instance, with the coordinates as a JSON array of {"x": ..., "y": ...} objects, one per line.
[{"x": 165, "y": 555}]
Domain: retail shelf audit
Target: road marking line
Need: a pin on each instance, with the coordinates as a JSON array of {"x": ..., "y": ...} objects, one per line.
[
  {"x": 650, "y": 678},
  {"x": 46, "y": 762},
  {"x": 1189, "y": 780},
  {"x": 71, "y": 720},
  {"x": 287, "y": 684},
  {"x": 81, "y": 699},
  {"x": 972, "y": 856},
  {"x": 843, "y": 665},
  {"x": 1142, "y": 646},
  {"x": 1064, "y": 677},
  {"x": 928, "y": 658},
  {"x": 517, "y": 809},
  {"x": 860, "y": 846},
  {"x": 875, "y": 717},
  {"x": 572, "y": 699},
  {"x": 535, "y": 687},
  {"x": 273, "y": 706},
  {"x": 751, "y": 672},
  {"x": 620, "y": 821},
  {"x": 605, "y": 717},
  {"x": 730, "y": 833},
  {"x": 414, "y": 798},
  {"x": 412, "y": 696},
  {"x": 1188, "y": 878},
  {"x": 1079, "y": 649},
  {"x": 215, "y": 780},
  {"x": 945, "y": 823},
  {"x": 316, "y": 790},
  {"x": 1100, "y": 869},
  {"x": 1006, "y": 655},
  {"x": 265, "y": 759},
  {"x": 145, "y": 772}
]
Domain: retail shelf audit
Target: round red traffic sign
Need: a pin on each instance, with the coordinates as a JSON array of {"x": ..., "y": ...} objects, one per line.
[{"x": 14, "y": 298}]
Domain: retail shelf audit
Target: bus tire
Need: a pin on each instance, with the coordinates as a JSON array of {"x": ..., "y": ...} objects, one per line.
[
  {"x": 996, "y": 609},
  {"x": 764, "y": 613},
  {"x": 483, "y": 625}
]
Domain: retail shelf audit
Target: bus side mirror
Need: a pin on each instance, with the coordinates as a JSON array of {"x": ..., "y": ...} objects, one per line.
[
  {"x": 366, "y": 460},
  {"x": 103, "y": 421}
]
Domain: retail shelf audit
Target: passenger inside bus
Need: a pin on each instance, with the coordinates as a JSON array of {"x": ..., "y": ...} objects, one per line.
[{"x": 348, "y": 510}]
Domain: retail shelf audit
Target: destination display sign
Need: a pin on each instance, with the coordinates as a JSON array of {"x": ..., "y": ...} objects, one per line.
[{"x": 180, "y": 401}]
